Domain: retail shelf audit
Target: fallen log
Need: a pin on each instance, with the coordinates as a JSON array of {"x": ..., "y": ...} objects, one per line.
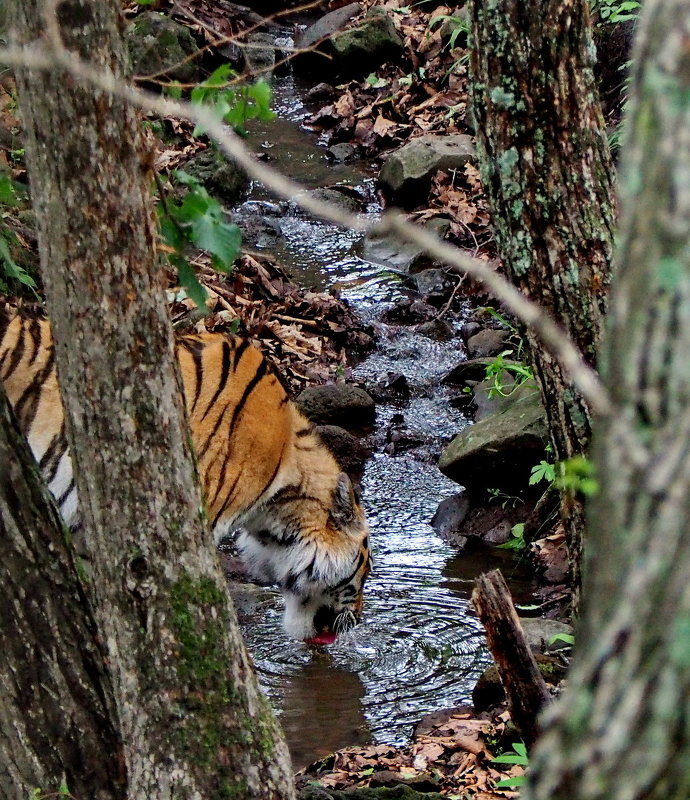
[{"x": 524, "y": 685}]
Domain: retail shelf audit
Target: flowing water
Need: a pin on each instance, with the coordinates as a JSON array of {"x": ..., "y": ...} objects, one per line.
[{"x": 418, "y": 648}]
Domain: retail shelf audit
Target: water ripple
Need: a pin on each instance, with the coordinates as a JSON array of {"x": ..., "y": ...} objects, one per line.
[{"x": 417, "y": 649}]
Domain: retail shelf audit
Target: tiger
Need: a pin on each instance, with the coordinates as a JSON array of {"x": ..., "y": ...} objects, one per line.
[{"x": 263, "y": 469}]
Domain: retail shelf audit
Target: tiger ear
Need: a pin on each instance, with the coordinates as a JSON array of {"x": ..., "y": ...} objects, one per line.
[{"x": 344, "y": 503}]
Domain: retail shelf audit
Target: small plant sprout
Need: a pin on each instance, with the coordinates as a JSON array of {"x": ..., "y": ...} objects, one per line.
[
  {"x": 518, "y": 758},
  {"x": 517, "y": 538},
  {"x": 500, "y": 369},
  {"x": 615, "y": 11},
  {"x": 543, "y": 471},
  {"x": 375, "y": 82},
  {"x": 234, "y": 103}
]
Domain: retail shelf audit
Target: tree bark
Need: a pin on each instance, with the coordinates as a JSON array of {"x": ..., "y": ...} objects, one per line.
[
  {"x": 622, "y": 729},
  {"x": 547, "y": 172},
  {"x": 193, "y": 721},
  {"x": 57, "y": 716}
]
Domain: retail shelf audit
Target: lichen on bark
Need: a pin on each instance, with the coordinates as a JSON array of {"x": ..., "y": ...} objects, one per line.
[{"x": 547, "y": 172}]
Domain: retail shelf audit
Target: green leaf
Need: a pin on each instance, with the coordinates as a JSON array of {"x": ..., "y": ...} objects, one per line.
[
  {"x": 509, "y": 758},
  {"x": 8, "y": 193},
  {"x": 511, "y": 783},
  {"x": 543, "y": 471},
  {"x": 195, "y": 291},
  {"x": 10, "y": 267},
  {"x": 217, "y": 81},
  {"x": 567, "y": 638},
  {"x": 375, "y": 82},
  {"x": 173, "y": 90},
  {"x": 262, "y": 94},
  {"x": 221, "y": 239}
]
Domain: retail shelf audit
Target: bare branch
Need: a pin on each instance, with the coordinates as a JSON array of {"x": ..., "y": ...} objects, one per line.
[{"x": 553, "y": 338}]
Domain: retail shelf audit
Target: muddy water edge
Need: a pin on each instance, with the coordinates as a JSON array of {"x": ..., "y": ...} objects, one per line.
[{"x": 418, "y": 649}]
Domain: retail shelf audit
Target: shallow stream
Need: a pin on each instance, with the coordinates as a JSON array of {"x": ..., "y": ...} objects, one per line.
[{"x": 418, "y": 649}]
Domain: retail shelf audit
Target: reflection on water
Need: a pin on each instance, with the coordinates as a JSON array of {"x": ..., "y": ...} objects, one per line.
[{"x": 308, "y": 701}]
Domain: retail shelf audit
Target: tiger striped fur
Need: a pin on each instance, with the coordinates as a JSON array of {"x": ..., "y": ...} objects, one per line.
[{"x": 263, "y": 469}]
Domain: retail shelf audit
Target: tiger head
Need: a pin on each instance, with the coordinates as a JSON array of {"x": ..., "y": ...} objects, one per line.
[{"x": 312, "y": 539}]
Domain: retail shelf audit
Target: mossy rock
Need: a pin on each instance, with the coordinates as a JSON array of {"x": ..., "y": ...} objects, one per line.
[
  {"x": 372, "y": 41},
  {"x": 501, "y": 449},
  {"x": 220, "y": 177},
  {"x": 158, "y": 44}
]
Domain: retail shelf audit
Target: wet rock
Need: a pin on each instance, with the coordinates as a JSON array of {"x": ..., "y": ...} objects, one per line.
[
  {"x": 488, "y": 342},
  {"x": 322, "y": 91},
  {"x": 539, "y": 633},
  {"x": 469, "y": 329},
  {"x": 391, "y": 251},
  {"x": 220, "y": 177},
  {"x": 501, "y": 449},
  {"x": 399, "y": 792},
  {"x": 158, "y": 44},
  {"x": 389, "y": 387},
  {"x": 258, "y": 230},
  {"x": 366, "y": 45},
  {"x": 430, "y": 723},
  {"x": 437, "y": 329},
  {"x": 487, "y": 525},
  {"x": 433, "y": 284},
  {"x": 450, "y": 515},
  {"x": 344, "y": 151},
  {"x": 487, "y": 401},
  {"x": 406, "y": 173},
  {"x": 464, "y": 401},
  {"x": 400, "y": 438},
  {"x": 337, "y": 404},
  {"x": 343, "y": 197},
  {"x": 488, "y": 692},
  {"x": 408, "y": 312},
  {"x": 348, "y": 450},
  {"x": 317, "y": 38},
  {"x": 474, "y": 369},
  {"x": 260, "y": 54}
]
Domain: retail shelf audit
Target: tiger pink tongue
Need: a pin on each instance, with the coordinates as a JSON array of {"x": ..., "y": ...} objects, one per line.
[{"x": 321, "y": 638}]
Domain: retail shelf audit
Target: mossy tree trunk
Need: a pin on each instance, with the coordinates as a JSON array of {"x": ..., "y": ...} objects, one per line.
[
  {"x": 546, "y": 169},
  {"x": 190, "y": 714},
  {"x": 622, "y": 729},
  {"x": 56, "y": 694}
]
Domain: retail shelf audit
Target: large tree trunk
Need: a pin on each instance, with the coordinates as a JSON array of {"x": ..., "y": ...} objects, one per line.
[
  {"x": 191, "y": 715},
  {"x": 622, "y": 729},
  {"x": 57, "y": 718},
  {"x": 546, "y": 169}
]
